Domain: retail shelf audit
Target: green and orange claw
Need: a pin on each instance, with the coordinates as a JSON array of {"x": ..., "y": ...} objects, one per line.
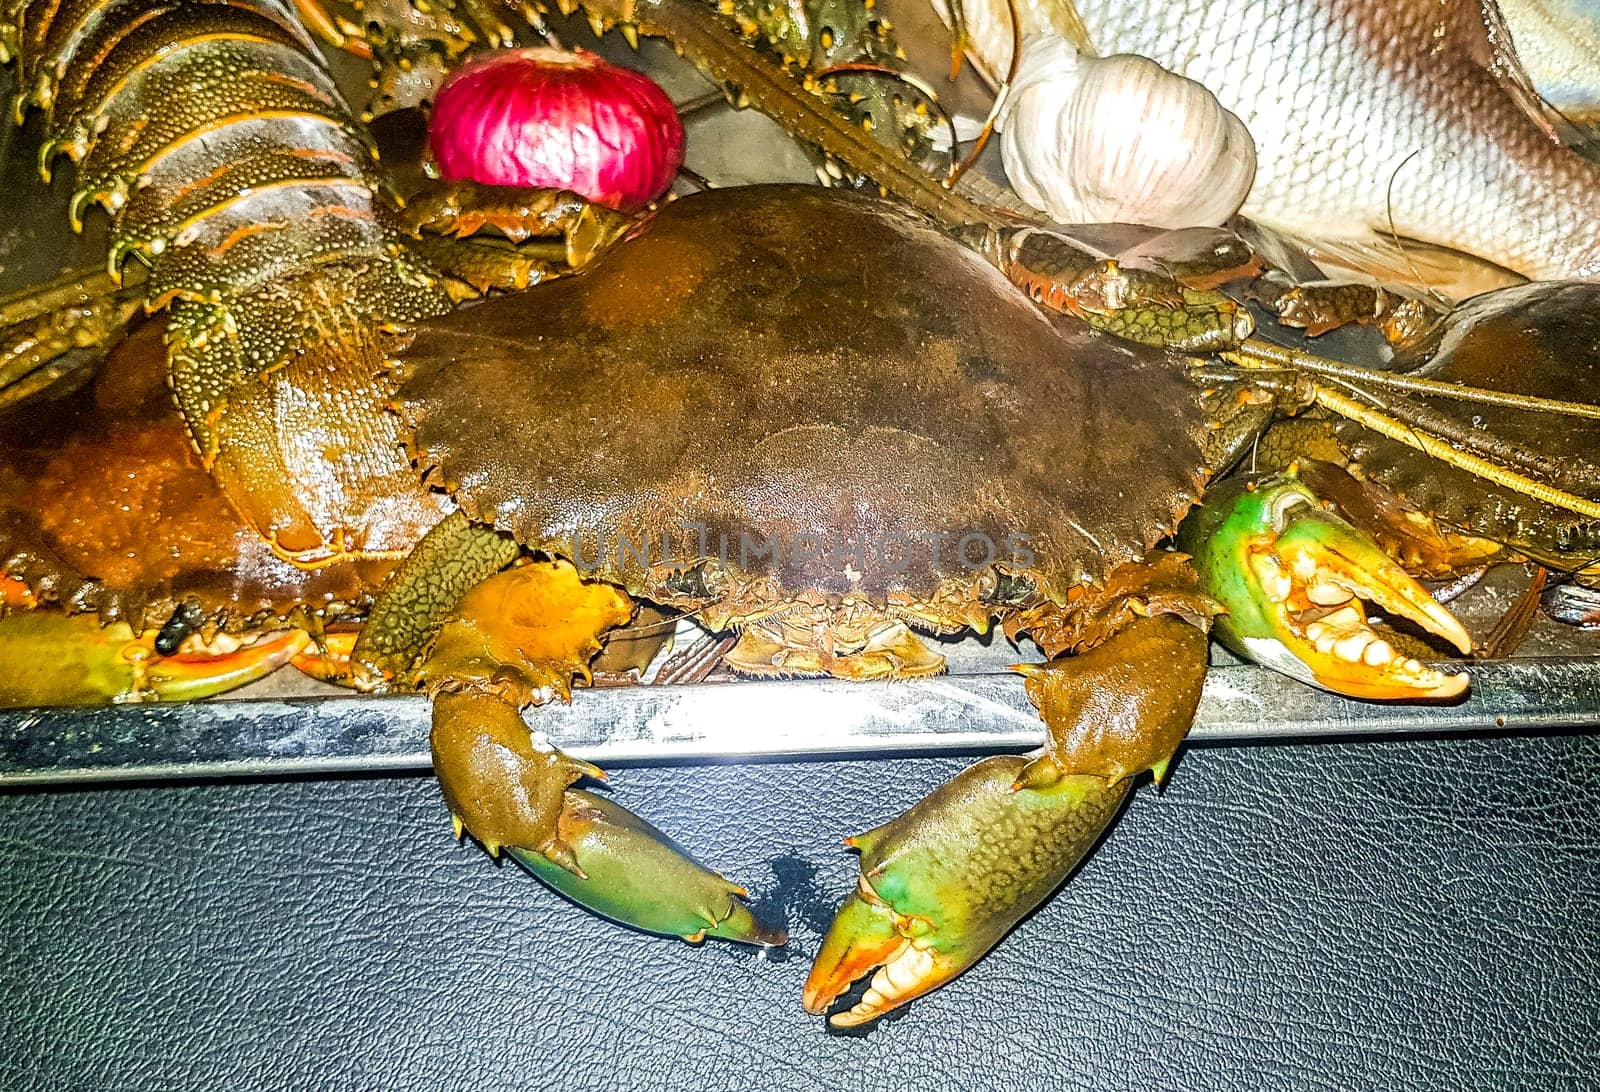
[
  {"x": 1291, "y": 577},
  {"x": 944, "y": 882},
  {"x": 630, "y": 872},
  {"x": 517, "y": 797},
  {"x": 53, "y": 658}
]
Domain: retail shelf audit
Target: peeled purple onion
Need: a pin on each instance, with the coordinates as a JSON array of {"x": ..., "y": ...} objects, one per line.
[{"x": 546, "y": 117}]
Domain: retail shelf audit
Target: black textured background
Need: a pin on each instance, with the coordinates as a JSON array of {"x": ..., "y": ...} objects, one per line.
[{"x": 1397, "y": 915}]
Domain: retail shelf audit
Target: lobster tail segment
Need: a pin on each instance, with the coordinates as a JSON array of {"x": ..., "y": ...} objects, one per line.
[
  {"x": 231, "y": 166},
  {"x": 284, "y": 387},
  {"x": 178, "y": 112}
]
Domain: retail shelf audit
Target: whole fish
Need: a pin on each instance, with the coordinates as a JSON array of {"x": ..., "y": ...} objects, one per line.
[{"x": 1372, "y": 119}]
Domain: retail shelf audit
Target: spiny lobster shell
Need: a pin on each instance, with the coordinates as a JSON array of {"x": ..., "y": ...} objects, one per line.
[{"x": 230, "y": 164}]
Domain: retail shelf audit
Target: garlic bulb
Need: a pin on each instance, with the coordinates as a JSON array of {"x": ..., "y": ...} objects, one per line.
[{"x": 1121, "y": 139}]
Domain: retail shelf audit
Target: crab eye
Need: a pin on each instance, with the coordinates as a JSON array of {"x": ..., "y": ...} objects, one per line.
[{"x": 1009, "y": 590}]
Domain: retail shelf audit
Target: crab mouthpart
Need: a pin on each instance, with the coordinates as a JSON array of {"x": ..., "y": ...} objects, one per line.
[{"x": 886, "y": 650}]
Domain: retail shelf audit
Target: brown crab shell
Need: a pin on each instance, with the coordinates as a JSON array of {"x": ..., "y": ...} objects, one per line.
[
  {"x": 785, "y": 360},
  {"x": 1538, "y": 339}
]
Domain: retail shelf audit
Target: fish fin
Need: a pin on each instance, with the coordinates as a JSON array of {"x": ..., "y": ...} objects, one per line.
[
  {"x": 1480, "y": 30},
  {"x": 1583, "y": 133},
  {"x": 1278, "y": 249},
  {"x": 1486, "y": 36},
  {"x": 1393, "y": 260},
  {"x": 1559, "y": 41}
]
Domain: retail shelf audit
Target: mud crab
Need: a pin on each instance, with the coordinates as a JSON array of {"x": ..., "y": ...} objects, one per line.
[{"x": 738, "y": 459}]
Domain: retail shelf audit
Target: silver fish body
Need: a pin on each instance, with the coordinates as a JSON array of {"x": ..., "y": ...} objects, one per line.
[
  {"x": 1558, "y": 42},
  {"x": 1371, "y": 118}
]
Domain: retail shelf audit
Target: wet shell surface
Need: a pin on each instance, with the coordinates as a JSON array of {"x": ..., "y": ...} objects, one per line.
[{"x": 787, "y": 360}]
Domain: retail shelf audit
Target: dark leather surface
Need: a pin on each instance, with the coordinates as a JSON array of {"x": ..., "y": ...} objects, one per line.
[{"x": 1401, "y": 915}]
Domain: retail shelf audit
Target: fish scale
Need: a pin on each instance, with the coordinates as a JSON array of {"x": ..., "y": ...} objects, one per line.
[{"x": 1359, "y": 108}]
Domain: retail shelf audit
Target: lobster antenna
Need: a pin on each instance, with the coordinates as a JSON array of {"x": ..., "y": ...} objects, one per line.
[
  {"x": 958, "y": 36},
  {"x": 1385, "y": 425},
  {"x": 1394, "y": 232},
  {"x": 1294, "y": 359},
  {"x": 999, "y": 99},
  {"x": 1405, "y": 432}
]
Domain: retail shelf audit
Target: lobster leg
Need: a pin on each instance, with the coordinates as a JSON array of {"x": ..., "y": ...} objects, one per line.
[
  {"x": 518, "y": 213},
  {"x": 446, "y": 217},
  {"x": 1131, "y": 303},
  {"x": 1319, "y": 308},
  {"x": 54, "y": 330}
]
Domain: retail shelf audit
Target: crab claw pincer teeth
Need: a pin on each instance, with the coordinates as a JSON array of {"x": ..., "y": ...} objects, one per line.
[
  {"x": 867, "y": 936},
  {"x": 64, "y": 659},
  {"x": 1292, "y": 577},
  {"x": 944, "y": 882},
  {"x": 203, "y": 673}
]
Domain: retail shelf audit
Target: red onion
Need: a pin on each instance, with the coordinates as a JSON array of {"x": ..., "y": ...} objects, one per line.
[{"x": 544, "y": 117}]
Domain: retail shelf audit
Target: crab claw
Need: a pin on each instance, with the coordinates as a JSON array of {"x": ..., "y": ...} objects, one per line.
[
  {"x": 1291, "y": 576},
  {"x": 510, "y": 794},
  {"x": 70, "y": 659},
  {"x": 944, "y": 882},
  {"x": 225, "y": 664},
  {"x": 629, "y": 871}
]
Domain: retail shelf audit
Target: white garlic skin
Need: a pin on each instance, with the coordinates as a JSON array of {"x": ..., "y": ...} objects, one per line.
[{"x": 1121, "y": 140}]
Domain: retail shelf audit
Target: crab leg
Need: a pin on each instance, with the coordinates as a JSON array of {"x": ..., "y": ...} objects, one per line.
[
  {"x": 521, "y": 637},
  {"x": 628, "y": 871},
  {"x": 54, "y": 658},
  {"x": 944, "y": 882},
  {"x": 1292, "y": 576},
  {"x": 511, "y": 794},
  {"x": 447, "y": 215}
]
